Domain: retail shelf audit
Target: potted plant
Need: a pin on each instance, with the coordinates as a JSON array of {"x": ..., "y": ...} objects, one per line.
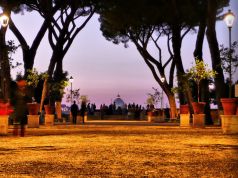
[
  {"x": 56, "y": 87},
  {"x": 229, "y": 64},
  {"x": 32, "y": 81},
  {"x": 150, "y": 104},
  {"x": 5, "y": 110},
  {"x": 197, "y": 73},
  {"x": 151, "y": 101},
  {"x": 184, "y": 114},
  {"x": 184, "y": 107}
]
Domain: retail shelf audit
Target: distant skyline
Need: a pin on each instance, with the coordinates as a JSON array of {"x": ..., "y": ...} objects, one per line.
[{"x": 101, "y": 69}]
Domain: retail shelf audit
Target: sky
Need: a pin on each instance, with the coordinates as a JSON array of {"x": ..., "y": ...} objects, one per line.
[{"x": 101, "y": 69}]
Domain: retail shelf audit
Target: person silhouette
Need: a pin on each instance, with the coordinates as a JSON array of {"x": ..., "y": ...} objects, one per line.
[
  {"x": 21, "y": 111},
  {"x": 83, "y": 110},
  {"x": 74, "y": 111}
]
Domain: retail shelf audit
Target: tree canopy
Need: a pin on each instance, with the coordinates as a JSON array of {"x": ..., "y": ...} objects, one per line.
[{"x": 143, "y": 21}]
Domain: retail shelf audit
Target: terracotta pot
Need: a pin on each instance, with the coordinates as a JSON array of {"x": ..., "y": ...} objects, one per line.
[
  {"x": 5, "y": 108},
  {"x": 33, "y": 108},
  {"x": 229, "y": 106},
  {"x": 49, "y": 109},
  {"x": 237, "y": 109},
  {"x": 21, "y": 83},
  {"x": 184, "y": 109},
  {"x": 150, "y": 113},
  {"x": 198, "y": 107}
]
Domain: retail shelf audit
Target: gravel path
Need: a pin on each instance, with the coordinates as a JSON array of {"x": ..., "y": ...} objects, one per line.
[{"x": 119, "y": 151}]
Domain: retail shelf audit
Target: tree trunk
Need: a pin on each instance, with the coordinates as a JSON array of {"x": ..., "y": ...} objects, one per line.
[
  {"x": 204, "y": 94},
  {"x": 214, "y": 50},
  {"x": 44, "y": 92},
  {"x": 53, "y": 62},
  {"x": 172, "y": 103},
  {"x": 29, "y": 53},
  {"x": 5, "y": 76},
  {"x": 28, "y": 59},
  {"x": 199, "y": 41},
  {"x": 165, "y": 86},
  {"x": 52, "y": 65},
  {"x": 176, "y": 44},
  {"x": 59, "y": 68}
]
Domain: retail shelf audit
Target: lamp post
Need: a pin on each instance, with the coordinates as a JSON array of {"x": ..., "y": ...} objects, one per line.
[
  {"x": 4, "y": 64},
  {"x": 162, "y": 94},
  {"x": 211, "y": 87},
  {"x": 229, "y": 20},
  {"x": 71, "y": 79},
  {"x": 4, "y": 19}
]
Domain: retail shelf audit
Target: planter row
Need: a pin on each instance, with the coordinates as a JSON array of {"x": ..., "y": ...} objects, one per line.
[
  {"x": 230, "y": 107},
  {"x": 33, "y": 121},
  {"x": 33, "y": 108},
  {"x": 229, "y": 122}
]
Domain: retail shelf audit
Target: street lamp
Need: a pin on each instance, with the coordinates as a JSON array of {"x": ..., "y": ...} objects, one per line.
[
  {"x": 71, "y": 79},
  {"x": 4, "y": 19},
  {"x": 162, "y": 94},
  {"x": 211, "y": 87},
  {"x": 229, "y": 20}
]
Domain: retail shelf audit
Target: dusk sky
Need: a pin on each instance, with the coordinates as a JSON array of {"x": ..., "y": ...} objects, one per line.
[{"x": 102, "y": 69}]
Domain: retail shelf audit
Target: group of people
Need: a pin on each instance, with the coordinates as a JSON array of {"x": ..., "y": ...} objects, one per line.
[
  {"x": 125, "y": 110},
  {"x": 75, "y": 109},
  {"x": 91, "y": 108}
]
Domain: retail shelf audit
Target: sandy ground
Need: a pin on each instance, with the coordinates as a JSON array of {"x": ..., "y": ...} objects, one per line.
[{"x": 112, "y": 150}]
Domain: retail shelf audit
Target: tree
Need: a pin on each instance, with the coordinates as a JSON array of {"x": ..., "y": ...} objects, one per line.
[
  {"x": 198, "y": 72},
  {"x": 120, "y": 25},
  {"x": 213, "y": 7},
  {"x": 63, "y": 28},
  {"x": 198, "y": 53},
  {"x": 229, "y": 61},
  {"x": 154, "y": 98},
  {"x": 4, "y": 66},
  {"x": 5, "y": 76},
  {"x": 29, "y": 52}
]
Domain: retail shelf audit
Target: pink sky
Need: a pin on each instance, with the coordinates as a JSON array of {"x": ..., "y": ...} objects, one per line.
[{"x": 101, "y": 69}]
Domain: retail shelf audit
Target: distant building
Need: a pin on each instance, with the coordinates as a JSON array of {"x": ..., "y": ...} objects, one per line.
[{"x": 119, "y": 102}]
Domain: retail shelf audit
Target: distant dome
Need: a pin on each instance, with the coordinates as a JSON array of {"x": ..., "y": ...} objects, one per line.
[{"x": 119, "y": 102}]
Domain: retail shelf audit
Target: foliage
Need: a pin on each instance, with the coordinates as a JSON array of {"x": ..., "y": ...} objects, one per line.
[
  {"x": 57, "y": 89},
  {"x": 180, "y": 90},
  {"x": 120, "y": 17},
  {"x": 75, "y": 96},
  {"x": 199, "y": 72},
  {"x": 229, "y": 58},
  {"x": 33, "y": 77},
  {"x": 57, "y": 86},
  {"x": 65, "y": 19},
  {"x": 154, "y": 98},
  {"x": 12, "y": 48},
  {"x": 19, "y": 76},
  {"x": 84, "y": 98},
  {"x": 150, "y": 100}
]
